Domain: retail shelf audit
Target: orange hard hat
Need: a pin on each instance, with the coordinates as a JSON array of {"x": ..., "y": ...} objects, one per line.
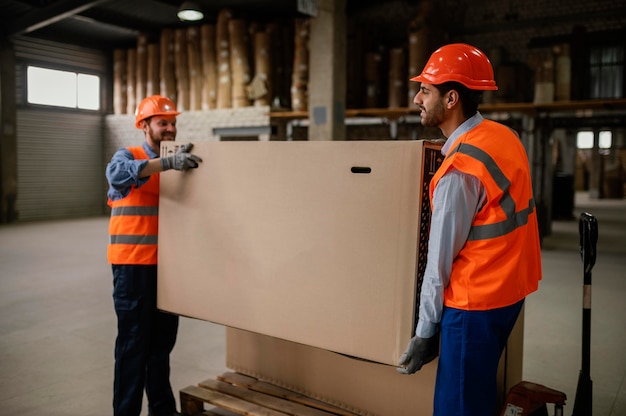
[
  {"x": 461, "y": 63},
  {"x": 155, "y": 105}
]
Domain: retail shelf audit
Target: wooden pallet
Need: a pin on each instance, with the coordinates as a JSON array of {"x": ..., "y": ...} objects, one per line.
[{"x": 237, "y": 394}]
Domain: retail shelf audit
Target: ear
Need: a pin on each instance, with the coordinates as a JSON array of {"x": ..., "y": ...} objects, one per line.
[{"x": 453, "y": 98}]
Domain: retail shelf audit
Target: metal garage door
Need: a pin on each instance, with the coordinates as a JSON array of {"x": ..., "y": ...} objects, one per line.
[
  {"x": 59, "y": 167},
  {"x": 59, "y": 151}
]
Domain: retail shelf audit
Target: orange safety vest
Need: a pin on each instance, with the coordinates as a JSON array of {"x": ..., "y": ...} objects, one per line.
[
  {"x": 500, "y": 262},
  {"x": 134, "y": 224}
]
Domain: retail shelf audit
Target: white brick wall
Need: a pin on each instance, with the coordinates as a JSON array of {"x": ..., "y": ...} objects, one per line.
[{"x": 120, "y": 131}]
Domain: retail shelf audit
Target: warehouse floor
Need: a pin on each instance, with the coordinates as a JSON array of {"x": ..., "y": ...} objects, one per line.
[{"x": 57, "y": 324}]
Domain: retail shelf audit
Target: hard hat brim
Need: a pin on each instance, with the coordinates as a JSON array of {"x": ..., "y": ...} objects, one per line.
[{"x": 471, "y": 84}]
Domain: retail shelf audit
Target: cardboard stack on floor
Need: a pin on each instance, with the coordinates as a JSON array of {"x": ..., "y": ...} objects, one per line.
[{"x": 311, "y": 253}]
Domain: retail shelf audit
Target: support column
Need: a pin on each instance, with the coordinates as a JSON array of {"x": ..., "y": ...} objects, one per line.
[
  {"x": 8, "y": 134},
  {"x": 327, "y": 75},
  {"x": 596, "y": 169}
]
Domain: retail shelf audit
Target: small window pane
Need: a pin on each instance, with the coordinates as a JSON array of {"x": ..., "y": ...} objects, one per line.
[
  {"x": 88, "y": 92},
  {"x": 584, "y": 140},
  {"x": 605, "y": 139},
  {"x": 51, "y": 87},
  {"x": 606, "y": 71}
]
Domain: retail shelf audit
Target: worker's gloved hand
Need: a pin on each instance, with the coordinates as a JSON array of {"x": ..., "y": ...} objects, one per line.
[
  {"x": 181, "y": 160},
  {"x": 420, "y": 351}
]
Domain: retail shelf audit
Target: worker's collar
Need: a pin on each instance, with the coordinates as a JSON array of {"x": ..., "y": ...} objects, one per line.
[
  {"x": 149, "y": 151},
  {"x": 466, "y": 126}
]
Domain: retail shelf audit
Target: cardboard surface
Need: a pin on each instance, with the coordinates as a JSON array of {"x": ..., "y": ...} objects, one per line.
[
  {"x": 364, "y": 388},
  {"x": 311, "y": 242},
  {"x": 361, "y": 387}
]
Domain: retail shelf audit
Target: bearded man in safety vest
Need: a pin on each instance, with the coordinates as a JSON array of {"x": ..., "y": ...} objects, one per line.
[
  {"x": 145, "y": 335},
  {"x": 483, "y": 251}
]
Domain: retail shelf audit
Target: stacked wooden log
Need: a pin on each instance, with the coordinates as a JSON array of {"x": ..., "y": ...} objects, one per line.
[
  {"x": 300, "y": 77},
  {"x": 397, "y": 78},
  {"x": 168, "y": 65},
  {"x": 224, "y": 77},
  {"x": 209, "y": 67},
  {"x": 239, "y": 62},
  {"x": 194, "y": 65}
]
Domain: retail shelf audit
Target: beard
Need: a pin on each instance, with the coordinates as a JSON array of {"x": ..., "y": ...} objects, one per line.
[
  {"x": 435, "y": 116},
  {"x": 158, "y": 137}
]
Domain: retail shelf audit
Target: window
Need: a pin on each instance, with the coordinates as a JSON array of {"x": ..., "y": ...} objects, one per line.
[
  {"x": 606, "y": 70},
  {"x": 584, "y": 139},
  {"x": 604, "y": 140},
  {"x": 63, "y": 88}
]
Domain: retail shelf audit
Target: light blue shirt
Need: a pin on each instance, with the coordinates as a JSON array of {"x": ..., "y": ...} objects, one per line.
[
  {"x": 457, "y": 199},
  {"x": 122, "y": 172}
]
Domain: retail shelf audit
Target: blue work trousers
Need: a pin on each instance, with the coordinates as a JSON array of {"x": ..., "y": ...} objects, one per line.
[
  {"x": 471, "y": 345},
  {"x": 145, "y": 339}
]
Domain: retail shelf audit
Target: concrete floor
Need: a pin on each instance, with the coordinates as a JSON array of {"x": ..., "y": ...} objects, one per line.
[{"x": 57, "y": 324}]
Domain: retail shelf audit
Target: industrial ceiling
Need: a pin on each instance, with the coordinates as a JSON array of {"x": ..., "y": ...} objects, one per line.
[{"x": 107, "y": 24}]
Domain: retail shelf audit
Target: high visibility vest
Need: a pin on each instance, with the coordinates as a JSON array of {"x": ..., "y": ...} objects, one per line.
[
  {"x": 501, "y": 261},
  {"x": 134, "y": 224}
]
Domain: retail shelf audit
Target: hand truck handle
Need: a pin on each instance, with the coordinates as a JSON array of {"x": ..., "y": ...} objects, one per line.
[{"x": 588, "y": 229}]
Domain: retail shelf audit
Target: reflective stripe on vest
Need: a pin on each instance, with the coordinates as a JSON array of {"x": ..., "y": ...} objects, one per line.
[
  {"x": 133, "y": 239},
  {"x": 133, "y": 227},
  {"x": 514, "y": 218},
  {"x": 134, "y": 211}
]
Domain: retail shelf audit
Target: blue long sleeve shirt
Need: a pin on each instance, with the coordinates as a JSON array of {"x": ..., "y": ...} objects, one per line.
[
  {"x": 456, "y": 200},
  {"x": 122, "y": 172}
]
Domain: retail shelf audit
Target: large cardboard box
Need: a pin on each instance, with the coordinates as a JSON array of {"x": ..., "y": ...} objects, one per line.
[
  {"x": 362, "y": 387},
  {"x": 319, "y": 243}
]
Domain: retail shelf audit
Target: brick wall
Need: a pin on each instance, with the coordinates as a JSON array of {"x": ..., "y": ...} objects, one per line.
[{"x": 120, "y": 131}]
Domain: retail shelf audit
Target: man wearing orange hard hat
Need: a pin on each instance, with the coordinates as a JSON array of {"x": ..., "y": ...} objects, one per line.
[
  {"x": 483, "y": 251},
  {"x": 145, "y": 335}
]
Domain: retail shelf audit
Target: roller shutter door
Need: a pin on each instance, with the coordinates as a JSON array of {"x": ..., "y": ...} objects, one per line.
[
  {"x": 59, "y": 166},
  {"x": 59, "y": 151}
]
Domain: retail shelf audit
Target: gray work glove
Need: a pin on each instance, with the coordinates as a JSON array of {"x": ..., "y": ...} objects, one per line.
[
  {"x": 420, "y": 351},
  {"x": 181, "y": 160}
]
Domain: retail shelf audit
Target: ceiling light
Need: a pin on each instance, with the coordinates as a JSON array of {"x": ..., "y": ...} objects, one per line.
[{"x": 190, "y": 11}]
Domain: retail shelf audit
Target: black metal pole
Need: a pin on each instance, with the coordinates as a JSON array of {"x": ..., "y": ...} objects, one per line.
[{"x": 588, "y": 230}]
